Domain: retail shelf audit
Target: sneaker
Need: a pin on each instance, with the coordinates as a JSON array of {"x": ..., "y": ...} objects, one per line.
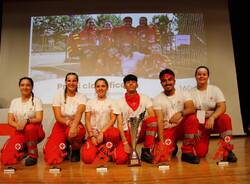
[
  {"x": 75, "y": 156},
  {"x": 190, "y": 158},
  {"x": 230, "y": 157},
  {"x": 174, "y": 153},
  {"x": 30, "y": 161},
  {"x": 146, "y": 155},
  {"x": 67, "y": 149}
]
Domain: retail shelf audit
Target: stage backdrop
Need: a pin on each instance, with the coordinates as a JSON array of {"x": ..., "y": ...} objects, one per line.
[{"x": 46, "y": 40}]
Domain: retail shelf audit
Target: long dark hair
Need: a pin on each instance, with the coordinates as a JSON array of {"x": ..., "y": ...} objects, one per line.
[
  {"x": 32, "y": 85},
  {"x": 102, "y": 79},
  {"x": 65, "y": 90}
]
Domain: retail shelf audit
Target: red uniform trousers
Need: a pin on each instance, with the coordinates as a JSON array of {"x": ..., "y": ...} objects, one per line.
[
  {"x": 26, "y": 140},
  {"x": 222, "y": 125},
  {"x": 187, "y": 130},
  {"x": 54, "y": 152},
  {"x": 89, "y": 151},
  {"x": 147, "y": 134}
]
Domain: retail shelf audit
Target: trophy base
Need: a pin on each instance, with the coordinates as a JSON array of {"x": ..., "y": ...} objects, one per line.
[
  {"x": 9, "y": 170},
  {"x": 134, "y": 162},
  {"x": 163, "y": 166},
  {"x": 55, "y": 170},
  {"x": 101, "y": 169},
  {"x": 222, "y": 163}
]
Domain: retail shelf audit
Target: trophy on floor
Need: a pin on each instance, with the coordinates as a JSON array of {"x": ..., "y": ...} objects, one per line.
[
  {"x": 10, "y": 169},
  {"x": 222, "y": 151},
  {"x": 55, "y": 169},
  {"x": 133, "y": 125},
  {"x": 103, "y": 156}
]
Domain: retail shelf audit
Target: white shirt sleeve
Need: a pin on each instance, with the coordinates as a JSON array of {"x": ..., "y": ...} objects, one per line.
[
  {"x": 38, "y": 104},
  {"x": 57, "y": 101},
  {"x": 148, "y": 102},
  {"x": 219, "y": 97},
  {"x": 115, "y": 108},
  {"x": 12, "y": 104},
  {"x": 88, "y": 106},
  {"x": 157, "y": 104},
  {"x": 82, "y": 98}
]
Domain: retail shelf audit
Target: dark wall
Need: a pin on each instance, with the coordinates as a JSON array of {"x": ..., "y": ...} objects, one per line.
[{"x": 237, "y": 17}]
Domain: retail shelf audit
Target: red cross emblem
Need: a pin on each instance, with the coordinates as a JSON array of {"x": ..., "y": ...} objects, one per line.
[
  {"x": 227, "y": 139},
  {"x": 168, "y": 142},
  {"x": 62, "y": 146},
  {"x": 18, "y": 146},
  {"x": 109, "y": 145}
]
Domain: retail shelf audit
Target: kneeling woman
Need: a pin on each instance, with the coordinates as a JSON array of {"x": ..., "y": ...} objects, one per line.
[
  {"x": 100, "y": 117},
  {"x": 25, "y": 115},
  {"x": 68, "y": 107}
]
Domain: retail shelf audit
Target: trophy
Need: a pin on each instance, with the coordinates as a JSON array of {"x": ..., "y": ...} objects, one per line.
[
  {"x": 20, "y": 155},
  {"x": 103, "y": 156},
  {"x": 55, "y": 169},
  {"x": 133, "y": 124},
  {"x": 222, "y": 151}
]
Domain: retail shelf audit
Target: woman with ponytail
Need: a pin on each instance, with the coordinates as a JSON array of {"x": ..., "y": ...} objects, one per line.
[
  {"x": 68, "y": 107},
  {"x": 25, "y": 115}
]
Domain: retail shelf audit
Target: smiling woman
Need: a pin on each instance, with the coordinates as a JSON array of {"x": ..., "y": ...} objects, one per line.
[
  {"x": 25, "y": 115},
  {"x": 100, "y": 117},
  {"x": 68, "y": 107}
]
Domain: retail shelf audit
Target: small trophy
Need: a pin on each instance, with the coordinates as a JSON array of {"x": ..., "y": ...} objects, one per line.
[
  {"x": 12, "y": 170},
  {"x": 103, "y": 156},
  {"x": 55, "y": 169},
  {"x": 222, "y": 152},
  {"x": 133, "y": 124}
]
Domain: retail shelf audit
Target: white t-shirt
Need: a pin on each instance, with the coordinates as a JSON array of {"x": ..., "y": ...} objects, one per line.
[
  {"x": 25, "y": 110},
  {"x": 170, "y": 105},
  {"x": 127, "y": 111},
  {"x": 206, "y": 100},
  {"x": 70, "y": 107},
  {"x": 100, "y": 112}
]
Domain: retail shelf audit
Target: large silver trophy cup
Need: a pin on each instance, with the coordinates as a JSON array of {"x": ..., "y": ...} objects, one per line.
[{"x": 134, "y": 124}]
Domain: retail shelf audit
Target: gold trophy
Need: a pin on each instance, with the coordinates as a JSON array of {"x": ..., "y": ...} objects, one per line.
[{"x": 133, "y": 124}]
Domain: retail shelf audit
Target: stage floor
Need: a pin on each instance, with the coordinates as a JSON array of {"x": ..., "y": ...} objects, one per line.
[{"x": 205, "y": 172}]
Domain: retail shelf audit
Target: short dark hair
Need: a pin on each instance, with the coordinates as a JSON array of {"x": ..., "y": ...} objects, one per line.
[
  {"x": 129, "y": 77},
  {"x": 166, "y": 71},
  {"x": 199, "y": 67}
]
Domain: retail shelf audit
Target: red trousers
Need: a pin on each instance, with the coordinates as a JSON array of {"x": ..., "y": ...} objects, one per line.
[
  {"x": 147, "y": 134},
  {"x": 222, "y": 125},
  {"x": 187, "y": 129},
  {"x": 89, "y": 151},
  {"x": 28, "y": 138},
  {"x": 54, "y": 152}
]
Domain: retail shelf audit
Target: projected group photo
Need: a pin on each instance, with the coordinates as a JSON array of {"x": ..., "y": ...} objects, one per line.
[{"x": 114, "y": 45}]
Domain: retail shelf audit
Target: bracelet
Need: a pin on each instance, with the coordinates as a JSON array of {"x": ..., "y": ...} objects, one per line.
[{"x": 125, "y": 142}]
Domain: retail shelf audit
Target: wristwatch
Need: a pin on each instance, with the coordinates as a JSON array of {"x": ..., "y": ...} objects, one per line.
[{"x": 28, "y": 121}]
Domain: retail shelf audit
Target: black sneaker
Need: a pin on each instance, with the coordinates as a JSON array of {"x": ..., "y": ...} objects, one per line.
[
  {"x": 231, "y": 157},
  {"x": 75, "y": 156},
  {"x": 67, "y": 149},
  {"x": 174, "y": 153},
  {"x": 190, "y": 158},
  {"x": 146, "y": 155},
  {"x": 30, "y": 161}
]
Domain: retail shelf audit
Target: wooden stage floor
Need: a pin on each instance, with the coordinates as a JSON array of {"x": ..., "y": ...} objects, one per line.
[{"x": 206, "y": 172}]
